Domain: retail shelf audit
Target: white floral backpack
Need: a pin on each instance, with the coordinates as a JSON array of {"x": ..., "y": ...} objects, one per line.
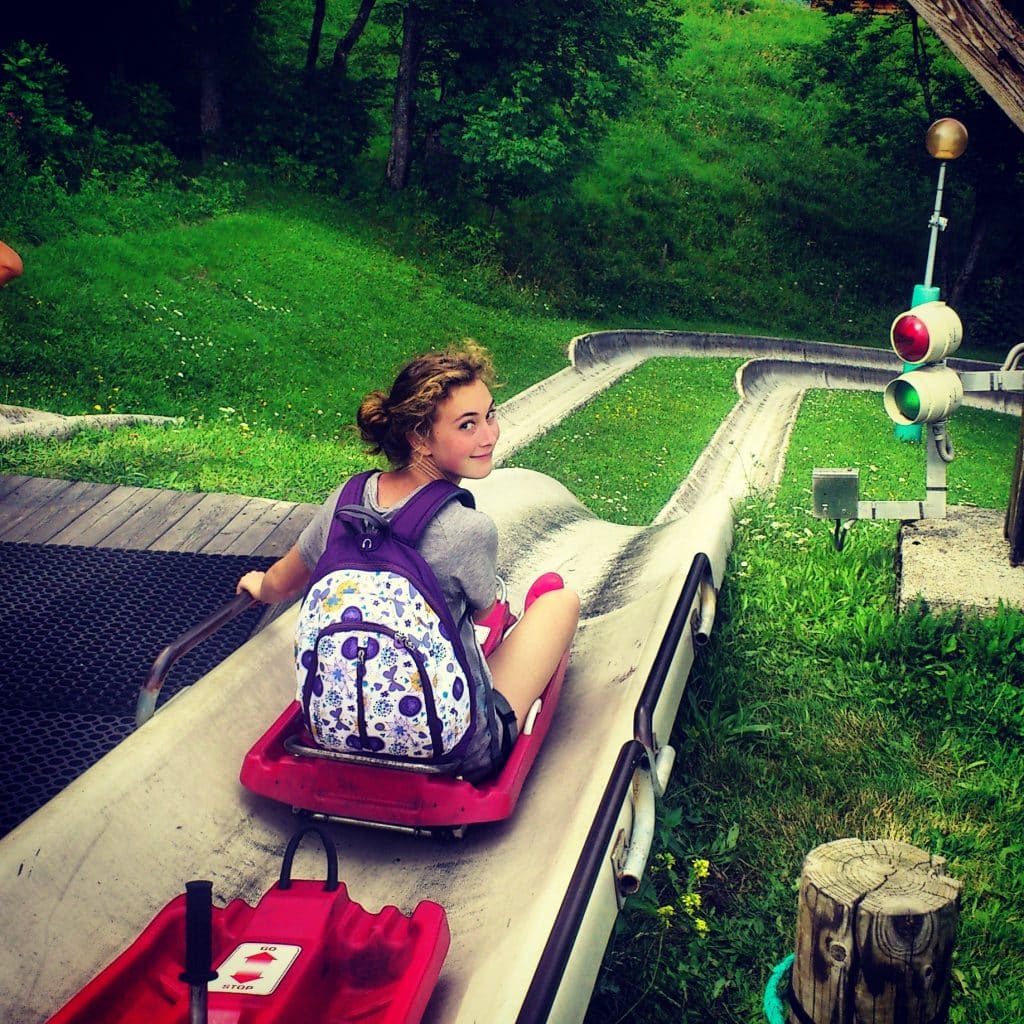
[{"x": 381, "y": 670}]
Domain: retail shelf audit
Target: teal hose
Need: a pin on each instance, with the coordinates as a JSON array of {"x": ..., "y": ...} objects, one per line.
[{"x": 774, "y": 993}]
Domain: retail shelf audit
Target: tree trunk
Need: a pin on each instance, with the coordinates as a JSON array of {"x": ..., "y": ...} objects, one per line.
[
  {"x": 210, "y": 103},
  {"x": 313, "y": 53},
  {"x": 979, "y": 228},
  {"x": 210, "y": 95},
  {"x": 351, "y": 37},
  {"x": 400, "y": 156},
  {"x": 875, "y": 930},
  {"x": 984, "y": 35}
]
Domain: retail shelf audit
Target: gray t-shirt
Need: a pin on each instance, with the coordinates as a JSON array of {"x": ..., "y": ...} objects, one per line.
[{"x": 461, "y": 546}]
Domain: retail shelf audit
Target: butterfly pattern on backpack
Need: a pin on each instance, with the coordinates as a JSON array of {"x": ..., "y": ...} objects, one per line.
[{"x": 378, "y": 660}]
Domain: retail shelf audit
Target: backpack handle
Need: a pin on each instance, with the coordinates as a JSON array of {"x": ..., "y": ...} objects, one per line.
[
  {"x": 370, "y": 527},
  {"x": 331, "y": 884}
]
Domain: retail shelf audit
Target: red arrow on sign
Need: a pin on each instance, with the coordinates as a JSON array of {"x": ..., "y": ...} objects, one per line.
[
  {"x": 260, "y": 958},
  {"x": 244, "y": 976}
]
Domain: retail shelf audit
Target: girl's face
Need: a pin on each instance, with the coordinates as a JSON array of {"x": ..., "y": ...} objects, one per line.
[{"x": 464, "y": 432}]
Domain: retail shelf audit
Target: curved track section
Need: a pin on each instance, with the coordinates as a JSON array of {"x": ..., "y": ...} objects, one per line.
[{"x": 83, "y": 876}]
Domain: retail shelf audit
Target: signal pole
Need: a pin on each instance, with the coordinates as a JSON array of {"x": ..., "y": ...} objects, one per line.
[{"x": 946, "y": 139}]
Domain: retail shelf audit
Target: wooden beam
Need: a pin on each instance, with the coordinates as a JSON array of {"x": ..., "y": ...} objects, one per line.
[{"x": 987, "y": 39}]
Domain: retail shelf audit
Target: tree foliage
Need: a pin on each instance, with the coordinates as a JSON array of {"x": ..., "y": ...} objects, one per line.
[{"x": 514, "y": 96}]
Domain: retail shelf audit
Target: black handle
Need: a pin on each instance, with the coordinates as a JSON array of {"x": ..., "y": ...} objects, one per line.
[
  {"x": 198, "y": 933},
  {"x": 176, "y": 649},
  {"x": 285, "y": 881}
]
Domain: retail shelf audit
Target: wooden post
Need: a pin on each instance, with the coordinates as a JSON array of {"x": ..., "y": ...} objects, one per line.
[
  {"x": 875, "y": 930},
  {"x": 1015, "y": 510}
]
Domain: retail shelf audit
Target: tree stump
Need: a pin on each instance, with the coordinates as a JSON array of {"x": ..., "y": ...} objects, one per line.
[{"x": 875, "y": 930}]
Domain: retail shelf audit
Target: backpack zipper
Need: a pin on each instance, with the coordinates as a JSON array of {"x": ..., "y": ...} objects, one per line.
[
  {"x": 403, "y": 640},
  {"x": 360, "y": 678}
]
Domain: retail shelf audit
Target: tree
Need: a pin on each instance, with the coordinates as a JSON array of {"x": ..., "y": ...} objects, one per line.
[
  {"x": 400, "y": 156},
  {"x": 313, "y": 50},
  {"x": 351, "y": 37},
  {"x": 503, "y": 99},
  {"x": 201, "y": 54}
]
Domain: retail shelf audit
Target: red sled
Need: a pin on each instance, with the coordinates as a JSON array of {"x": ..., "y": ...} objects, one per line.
[
  {"x": 283, "y": 766},
  {"x": 305, "y": 953}
]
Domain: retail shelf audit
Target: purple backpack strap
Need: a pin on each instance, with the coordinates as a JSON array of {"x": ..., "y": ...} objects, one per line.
[
  {"x": 411, "y": 519},
  {"x": 354, "y": 488}
]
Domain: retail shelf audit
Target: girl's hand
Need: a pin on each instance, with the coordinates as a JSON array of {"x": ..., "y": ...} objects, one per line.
[{"x": 251, "y": 583}]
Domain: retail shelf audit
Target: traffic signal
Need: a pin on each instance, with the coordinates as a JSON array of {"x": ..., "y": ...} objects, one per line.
[{"x": 924, "y": 336}]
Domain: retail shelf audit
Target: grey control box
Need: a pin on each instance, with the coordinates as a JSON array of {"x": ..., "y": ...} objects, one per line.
[{"x": 835, "y": 492}]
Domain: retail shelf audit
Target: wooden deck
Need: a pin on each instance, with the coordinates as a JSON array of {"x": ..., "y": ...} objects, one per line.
[{"x": 41, "y": 511}]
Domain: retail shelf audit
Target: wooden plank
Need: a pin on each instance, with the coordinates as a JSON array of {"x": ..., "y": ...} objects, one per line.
[
  {"x": 27, "y": 501},
  {"x": 252, "y": 525},
  {"x": 110, "y": 512},
  {"x": 1014, "y": 527},
  {"x": 153, "y": 520},
  {"x": 287, "y": 531},
  {"x": 37, "y": 510},
  {"x": 10, "y": 482},
  {"x": 74, "y": 502},
  {"x": 201, "y": 523}
]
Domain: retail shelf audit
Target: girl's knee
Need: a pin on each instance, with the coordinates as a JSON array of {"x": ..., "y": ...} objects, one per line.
[
  {"x": 557, "y": 608},
  {"x": 566, "y": 601}
]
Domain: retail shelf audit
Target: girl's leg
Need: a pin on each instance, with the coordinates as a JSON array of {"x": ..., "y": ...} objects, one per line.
[{"x": 528, "y": 656}]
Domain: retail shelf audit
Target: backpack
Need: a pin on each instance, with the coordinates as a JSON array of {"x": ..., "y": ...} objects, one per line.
[{"x": 381, "y": 669}]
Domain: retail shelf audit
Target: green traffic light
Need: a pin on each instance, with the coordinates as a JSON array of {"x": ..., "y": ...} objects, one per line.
[{"x": 907, "y": 400}]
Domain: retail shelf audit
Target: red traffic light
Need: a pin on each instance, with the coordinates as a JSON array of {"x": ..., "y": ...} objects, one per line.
[
  {"x": 926, "y": 334},
  {"x": 910, "y": 338}
]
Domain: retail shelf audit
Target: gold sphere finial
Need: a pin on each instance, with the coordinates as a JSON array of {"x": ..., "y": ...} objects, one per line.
[{"x": 946, "y": 139}]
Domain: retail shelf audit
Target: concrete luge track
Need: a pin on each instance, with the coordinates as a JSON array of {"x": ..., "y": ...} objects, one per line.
[{"x": 81, "y": 877}]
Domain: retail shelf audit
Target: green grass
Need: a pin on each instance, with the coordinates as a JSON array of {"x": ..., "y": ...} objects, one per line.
[
  {"x": 850, "y": 430},
  {"x": 220, "y": 456},
  {"x": 268, "y": 311},
  {"x": 735, "y": 205},
  {"x": 262, "y": 329},
  {"x": 625, "y": 453}
]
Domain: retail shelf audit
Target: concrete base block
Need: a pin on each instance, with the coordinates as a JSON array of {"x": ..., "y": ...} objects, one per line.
[{"x": 959, "y": 561}]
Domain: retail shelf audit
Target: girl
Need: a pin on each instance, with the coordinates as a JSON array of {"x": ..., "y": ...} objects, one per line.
[{"x": 438, "y": 422}]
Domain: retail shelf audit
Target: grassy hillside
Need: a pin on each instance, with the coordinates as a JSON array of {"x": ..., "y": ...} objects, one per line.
[
  {"x": 731, "y": 197},
  {"x": 261, "y": 328}
]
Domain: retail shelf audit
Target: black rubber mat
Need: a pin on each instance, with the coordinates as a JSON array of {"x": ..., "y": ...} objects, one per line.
[{"x": 79, "y": 630}]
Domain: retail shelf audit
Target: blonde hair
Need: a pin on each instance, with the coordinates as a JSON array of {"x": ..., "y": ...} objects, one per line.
[{"x": 385, "y": 421}]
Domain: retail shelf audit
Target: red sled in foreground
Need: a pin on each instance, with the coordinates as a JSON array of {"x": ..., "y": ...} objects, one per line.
[
  {"x": 305, "y": 953},
  {"x": 283, "y": 766}
]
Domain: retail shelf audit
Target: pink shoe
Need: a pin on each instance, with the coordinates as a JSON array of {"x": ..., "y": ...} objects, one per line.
[
  {"x": 492, "y": 630},
  {"x": 543, "y": 585}
]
